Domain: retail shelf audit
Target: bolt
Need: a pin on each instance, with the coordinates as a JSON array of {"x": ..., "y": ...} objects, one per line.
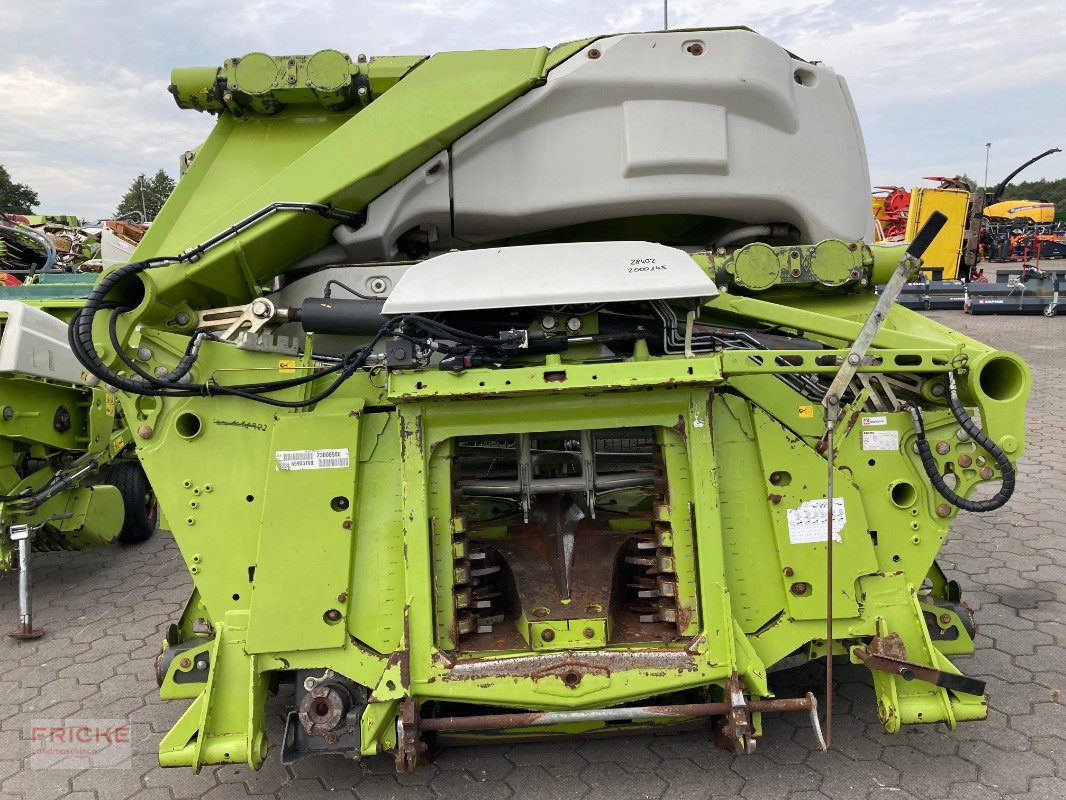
[
  {"x": 945, "y": 619},
  {"x": 309, "y": 683},
  {"x": 573, "y": 324},
  {"x": 965, "y": 460},
  {"x": 347, "y": 524},
  {"x": 943, "y": 510},
  {"x": 185, "y": 663},
  {"x": 938, "y": 390},
  {"x": 342, "y": 597},
  {"x": 362, "y": 58},
  {"x": 696, "y": 49},
  {"x": 962, "y": 435},
  {"x": 547, "y": 634},
  {"x": 260, "y": 308},
  {"x": 943, "y": 448},
  {"x": 160, "y": 371},
  {"x": 548, "y": 322},
  {"x": 361, "y": 91},
  {"x": 333, "y": 615},
  {"x": 594, "y": 54},
  {"x": 789, "y": 572},
  {"x": 378, "y": 285},
  {"x": 986, "y": 473},
  {"x": 92, "y": 380},
  {"x": 9, "y": 413},
  {"x": 292, "y": 80},
  {"x": 775, "y": 478},
  {"x": 775, "y": 499},
  {"x": 145, "y": 431},
  {"x": 201, "y": 665},
  {"x": 399, "y": 352},
  {"x": 589, "y": 633},
  {"x": 798, "y": 588},
  {"x": 853, "y": 359},
  {"x": 144, "y": 354}
]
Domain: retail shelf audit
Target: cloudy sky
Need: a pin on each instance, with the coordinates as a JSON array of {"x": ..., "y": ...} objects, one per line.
[{"x": 84, "y": 108}]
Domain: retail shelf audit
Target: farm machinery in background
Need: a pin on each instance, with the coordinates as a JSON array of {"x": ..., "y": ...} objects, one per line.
[
  {"x": 67, "y": 477},
  {"x": 977, "y": 234},
  {"x": 528, "y": 393},
  {"x": 30, "y": 242}
]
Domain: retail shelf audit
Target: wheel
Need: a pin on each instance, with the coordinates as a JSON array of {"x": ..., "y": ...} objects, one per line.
[{"x": 138, "y": 500}]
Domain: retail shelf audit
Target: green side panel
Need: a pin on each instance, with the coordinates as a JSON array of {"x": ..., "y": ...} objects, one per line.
[
  {"x": 290, "y": 604},
  {"x": 347, "y": 160},
  {"x": 803, "y": 478}
]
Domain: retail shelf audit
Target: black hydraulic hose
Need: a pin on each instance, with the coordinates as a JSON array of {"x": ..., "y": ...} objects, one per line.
[
  {"x": 1006, "y": 488},
  {"x": 44, "y": 241}
]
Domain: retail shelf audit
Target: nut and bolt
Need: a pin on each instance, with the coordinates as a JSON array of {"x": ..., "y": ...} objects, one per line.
[
  {"x": 309, "y": 683},
  {"x": 260, "y": 308},
  {"x": 945, "y": 619},
  {"x": 548, "y": 322},
  {"x": 201, "y": 665},
  {"x": 789, "y": 572},
  {"x": 943, "y": 510},
  {"x": 333, "y": 615},
  {"x": 588, "y": 633},
  {"x": 965, "y": 460},
  {"x": 986, "y": 473},
  {"x": 798, "y": 588},
  {"x": 144, "y": 354},
  {"x": 185, "y": 663},
  {"x": 9, "y": 413},
  {"x": 943, "y": 448},
  {"x": 145, "y": 431},
  {"x": 573, "y": 324},
  {"x": 547, "y": 635},
  {"x": 342, "y": 597},
  {"x": 160, "y": 371},
  {"x": 695, "y": 49},
  {"x": 594, "y": 54},
  {"x": 775, "y": 478}
]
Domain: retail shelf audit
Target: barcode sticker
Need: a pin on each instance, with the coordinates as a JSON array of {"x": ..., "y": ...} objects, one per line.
[{"x": 312, "y": 459}]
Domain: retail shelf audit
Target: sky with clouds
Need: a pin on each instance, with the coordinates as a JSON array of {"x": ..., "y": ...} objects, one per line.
[{"x": 84, "y": 107}]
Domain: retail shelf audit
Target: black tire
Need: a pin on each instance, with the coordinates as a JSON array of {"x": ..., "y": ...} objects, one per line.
[{"x": 138, "y": 500}]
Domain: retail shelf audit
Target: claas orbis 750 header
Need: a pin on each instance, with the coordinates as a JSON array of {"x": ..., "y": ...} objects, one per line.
[{"x": 514, "y": 393}]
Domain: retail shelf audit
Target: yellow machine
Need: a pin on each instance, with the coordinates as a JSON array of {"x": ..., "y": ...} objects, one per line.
[
  {"x": 946, "y": 252},
  {"x": 1022, "y": 211}
]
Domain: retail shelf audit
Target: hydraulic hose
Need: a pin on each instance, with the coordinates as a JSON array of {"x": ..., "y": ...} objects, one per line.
[
  {"x": 1006, "y": 488},
  {"x": 47, "y": 245}
]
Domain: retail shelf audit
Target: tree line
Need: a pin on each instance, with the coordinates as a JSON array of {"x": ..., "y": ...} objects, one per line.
[{"x": 142, "y": 200}]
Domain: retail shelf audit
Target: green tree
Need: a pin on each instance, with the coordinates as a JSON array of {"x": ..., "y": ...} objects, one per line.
[
  {"x": 146, "y": 196},
  {"x": 16, "y": 198}
]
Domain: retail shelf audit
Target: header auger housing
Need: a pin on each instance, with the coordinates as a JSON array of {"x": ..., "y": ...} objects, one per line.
[{"x": 489, "y": 401}]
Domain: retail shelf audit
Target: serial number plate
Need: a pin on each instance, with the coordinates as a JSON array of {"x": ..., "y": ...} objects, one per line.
[{"x": 312, "y": 459}]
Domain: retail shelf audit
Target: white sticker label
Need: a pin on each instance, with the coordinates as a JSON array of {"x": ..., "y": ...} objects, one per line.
[
  {"x": 312, "y": 459},
  {"x": 809, "y": 522},
  {"x": 870, "y": 421},
  {"x": 880, "y": 440}
]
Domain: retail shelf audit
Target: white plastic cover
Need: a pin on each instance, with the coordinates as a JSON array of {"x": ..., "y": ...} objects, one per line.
[
  {"x": 549, "y": 275},
  {"x": 35, "y": 343}
]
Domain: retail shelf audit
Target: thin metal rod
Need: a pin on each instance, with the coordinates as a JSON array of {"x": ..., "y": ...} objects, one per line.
[
  {"x": 542, "y": 718},
  {"x": 831, "y": 425},
  {"x": 666, "y": 15}
]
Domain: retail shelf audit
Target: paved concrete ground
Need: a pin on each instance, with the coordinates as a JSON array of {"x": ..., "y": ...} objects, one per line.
[{"x": 105, "y": 611}]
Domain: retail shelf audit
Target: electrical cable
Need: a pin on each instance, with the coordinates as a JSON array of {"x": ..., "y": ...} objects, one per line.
[{"x": 1006, "y": 488}]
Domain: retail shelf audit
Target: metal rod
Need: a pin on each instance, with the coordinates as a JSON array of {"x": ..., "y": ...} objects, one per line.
[
  {"x": 830, "y": 427},
  {"x": 542, "y": 718},
  {"x": 25, "y": 630},
  {"x": 666, "y": 15}
]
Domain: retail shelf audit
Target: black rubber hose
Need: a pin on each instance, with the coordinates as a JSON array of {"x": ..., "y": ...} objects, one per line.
[{"x": 1006, "y": 488}]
